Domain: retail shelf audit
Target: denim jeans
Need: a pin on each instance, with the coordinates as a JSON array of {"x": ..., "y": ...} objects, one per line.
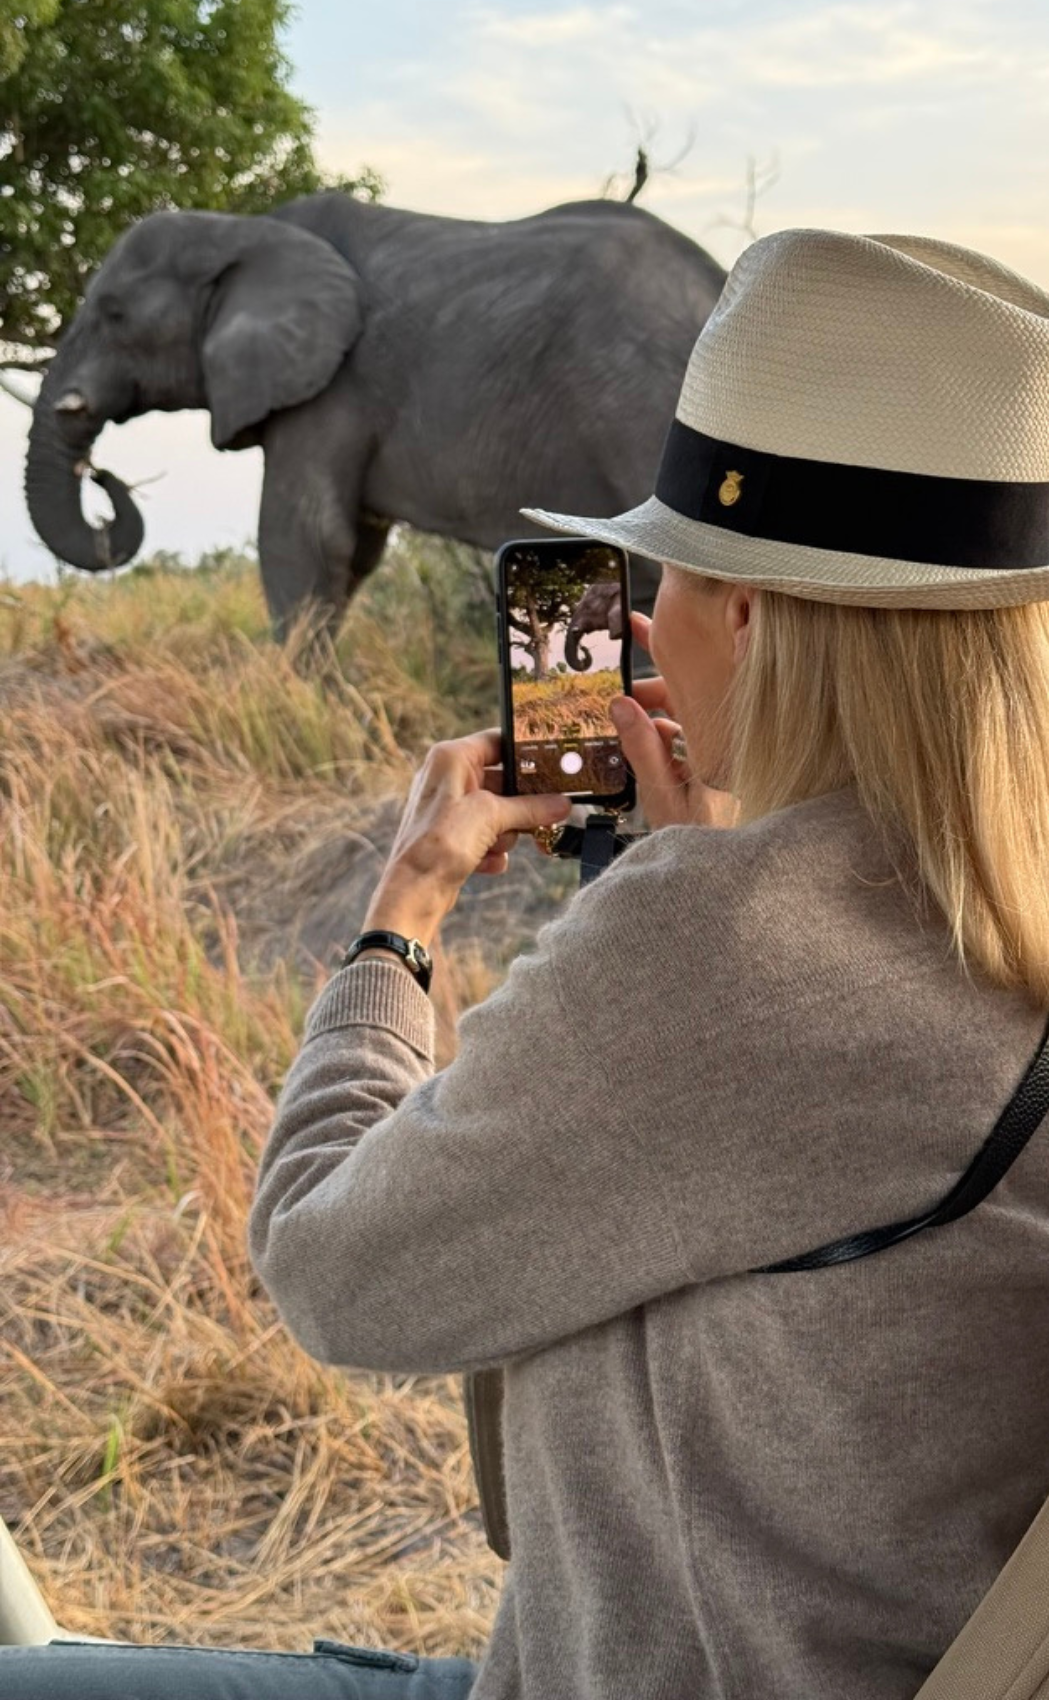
[{"x": 88, "y": 1670}]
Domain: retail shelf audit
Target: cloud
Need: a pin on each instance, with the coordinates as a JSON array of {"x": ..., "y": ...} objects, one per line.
[
  {"x": 453, "y": 178},
  {"x": 543, "y": 103},
  {"x": 883, "y": 113},
  {"x": 854, "y": 45},
  {"x": 833, "y": 45},
  {"x": 550, "y": 29},
  {"x": 923, "y": 115}
]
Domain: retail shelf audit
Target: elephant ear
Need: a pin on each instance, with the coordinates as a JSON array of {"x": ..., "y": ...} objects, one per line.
[{"x": 284, "y": 314}]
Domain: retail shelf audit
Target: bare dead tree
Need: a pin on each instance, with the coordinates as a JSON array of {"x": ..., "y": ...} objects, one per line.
[
  {"x": 640, "y": 174},
  {"x": 759, "y": 180},
  {"x": 646, "y": 129}
]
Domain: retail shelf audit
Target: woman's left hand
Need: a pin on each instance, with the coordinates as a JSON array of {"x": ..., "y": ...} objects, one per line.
[{"x": 456, "y": 822}]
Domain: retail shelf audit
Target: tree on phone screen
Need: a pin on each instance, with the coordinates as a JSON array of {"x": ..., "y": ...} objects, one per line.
[{"x": 543, "y": 592}]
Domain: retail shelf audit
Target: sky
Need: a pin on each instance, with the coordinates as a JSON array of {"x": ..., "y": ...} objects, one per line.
[
  {"x": 603, "y": 650},
  {"x": 880, "y": 115}
]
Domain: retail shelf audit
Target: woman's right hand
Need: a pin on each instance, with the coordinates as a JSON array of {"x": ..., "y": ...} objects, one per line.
[{"x": 670, "y": 794}]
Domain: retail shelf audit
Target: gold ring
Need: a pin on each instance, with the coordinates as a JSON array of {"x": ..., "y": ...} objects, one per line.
[{"x": 547, "y": 837}]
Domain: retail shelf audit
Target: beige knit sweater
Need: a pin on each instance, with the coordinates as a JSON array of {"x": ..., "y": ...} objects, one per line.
[{"x": 733, "y": 1046}]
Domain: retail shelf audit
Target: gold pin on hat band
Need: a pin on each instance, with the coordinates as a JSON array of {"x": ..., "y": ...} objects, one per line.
[{"x": 863, "y": 419}]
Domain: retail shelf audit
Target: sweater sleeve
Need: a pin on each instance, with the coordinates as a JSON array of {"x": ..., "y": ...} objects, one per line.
[{"x": 406, "y": 1220}]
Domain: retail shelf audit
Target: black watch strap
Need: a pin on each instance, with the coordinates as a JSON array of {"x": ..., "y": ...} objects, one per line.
[{"x": 414, "y": 952}]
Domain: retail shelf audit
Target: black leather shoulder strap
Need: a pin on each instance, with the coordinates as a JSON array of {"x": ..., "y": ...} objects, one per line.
[
  {"x": 596, "y": 843},
  {"x": 1022, "y": 1115},
  {"x": 598, "y": 848}
]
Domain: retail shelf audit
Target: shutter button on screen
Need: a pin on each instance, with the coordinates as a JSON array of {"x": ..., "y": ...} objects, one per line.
[{"x": 571, "y": 761}]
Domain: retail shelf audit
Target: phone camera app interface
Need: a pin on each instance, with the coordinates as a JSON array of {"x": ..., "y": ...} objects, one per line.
[{"x": 565, "y": 630}]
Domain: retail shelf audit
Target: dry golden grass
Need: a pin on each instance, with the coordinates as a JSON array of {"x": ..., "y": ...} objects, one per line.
[
  {"x": 544, "y": 708},
  {"x": 172, "y": 1466}
]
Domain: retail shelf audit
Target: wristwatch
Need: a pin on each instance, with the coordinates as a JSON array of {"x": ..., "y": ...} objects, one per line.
[{"x": 414, "y": 952}]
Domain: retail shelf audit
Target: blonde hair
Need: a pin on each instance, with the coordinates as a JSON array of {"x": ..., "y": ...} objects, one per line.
[{"x": 941, "y": 719}]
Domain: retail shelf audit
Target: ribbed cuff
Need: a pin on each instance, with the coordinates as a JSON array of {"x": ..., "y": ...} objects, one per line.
[{"x": 375, "y": 994}]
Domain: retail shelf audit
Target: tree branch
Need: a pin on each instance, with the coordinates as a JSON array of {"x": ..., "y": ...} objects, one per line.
[
  {"x": 640, "y": 174},
  {"x": 646, "y": 129},
  {"x": 759, "y": 179},
  {"x": 24, "y": 365}
]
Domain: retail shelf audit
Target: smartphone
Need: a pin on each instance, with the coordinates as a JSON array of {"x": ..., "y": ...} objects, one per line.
[{"x": 563, "y": 607}]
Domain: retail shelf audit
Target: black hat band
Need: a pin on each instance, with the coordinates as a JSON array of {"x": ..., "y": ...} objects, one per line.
[{"x": 854, "y": 510}]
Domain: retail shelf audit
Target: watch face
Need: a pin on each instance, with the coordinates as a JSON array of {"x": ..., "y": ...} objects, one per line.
[{"x": 419, "y": 953}]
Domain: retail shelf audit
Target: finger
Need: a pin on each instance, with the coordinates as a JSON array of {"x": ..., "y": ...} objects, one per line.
[
  {"x": 521, "y": 814},
  {"x": 646, "y": 745},
  {"x": 455, "y": 761},
  {"x": 493, "y": 864},
  {"x": 483, "y": 749},
  {"x": 670, "y": 732},
  {"x": 488, "y": 741},
  {"x": 495, "y": 854},
  {"x": 667, "y": 731},
  {"x": 651, "y": 693},
  {"x": 503, "y": 844},
  {"x": 639, "y": 627}
]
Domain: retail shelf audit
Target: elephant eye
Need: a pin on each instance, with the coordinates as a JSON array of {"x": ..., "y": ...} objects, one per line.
[{"x": 112, "y": 311}]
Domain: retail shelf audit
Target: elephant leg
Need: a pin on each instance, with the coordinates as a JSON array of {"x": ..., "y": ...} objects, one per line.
[
  {"x": 313, "y": 547},
  {"x": 372, "y": 533},
  {"x": 306, "y": 546}
]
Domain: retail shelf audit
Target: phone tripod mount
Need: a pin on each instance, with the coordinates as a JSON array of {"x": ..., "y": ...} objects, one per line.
[{"x": 596, "y": 843}]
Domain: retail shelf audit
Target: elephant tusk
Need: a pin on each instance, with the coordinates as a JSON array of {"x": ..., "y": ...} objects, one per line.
[
  {"x": 71, "y": 402},
  {"x": 103, "y": 550}
]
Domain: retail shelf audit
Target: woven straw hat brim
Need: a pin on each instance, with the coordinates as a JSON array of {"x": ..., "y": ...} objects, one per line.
[
  {"x": 862, "y": 419},
  {"x": 823, "y": 575}
]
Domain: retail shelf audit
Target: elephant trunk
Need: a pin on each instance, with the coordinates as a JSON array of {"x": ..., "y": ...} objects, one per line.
[
  {"x": 576, "y": 656},
  {"x": 57, "y": 460}
]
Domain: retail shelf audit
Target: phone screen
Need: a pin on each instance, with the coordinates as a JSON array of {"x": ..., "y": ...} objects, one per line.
[{"x": 566, "y": 640}]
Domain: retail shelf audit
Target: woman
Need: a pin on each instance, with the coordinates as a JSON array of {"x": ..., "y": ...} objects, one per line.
[{"x": 726, "y": 1483}]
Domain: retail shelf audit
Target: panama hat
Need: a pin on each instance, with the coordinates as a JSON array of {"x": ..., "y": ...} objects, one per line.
[{"x": 863, "y": 419}]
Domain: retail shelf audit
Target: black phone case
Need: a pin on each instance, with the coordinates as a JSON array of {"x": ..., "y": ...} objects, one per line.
[{"x": 622, "y": 800}]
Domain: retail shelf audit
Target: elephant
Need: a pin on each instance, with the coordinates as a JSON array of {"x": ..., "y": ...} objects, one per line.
[
  {"x": 393, "y": 366},
  {"x": 599, "y": 609}
]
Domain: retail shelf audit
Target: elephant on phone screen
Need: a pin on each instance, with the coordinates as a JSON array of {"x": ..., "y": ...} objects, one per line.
[
  {"x": 599, "y": 609},
  {"x": 393, "y": 366}
]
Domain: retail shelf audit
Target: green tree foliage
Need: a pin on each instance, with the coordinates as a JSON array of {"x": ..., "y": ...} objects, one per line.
[
  {"x": 111, "y": 109},
  {"x": 546, "y": 587},
  {"x": 16, "y": 16}
]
